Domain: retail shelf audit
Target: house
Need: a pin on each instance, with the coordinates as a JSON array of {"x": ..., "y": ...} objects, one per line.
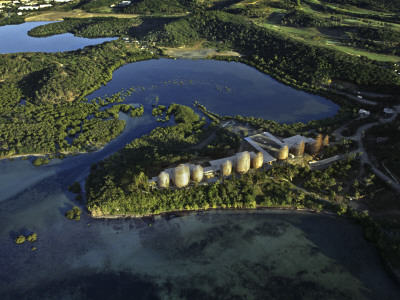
[
  {"x": 124, "y": 3},
  {"x": 388, "y": 111},
  {"x": 45, "y": 5},
  {"x": 364, "y": 113}
]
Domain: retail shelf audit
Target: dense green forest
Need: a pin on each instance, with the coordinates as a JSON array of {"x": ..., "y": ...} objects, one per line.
[
  {"x": 161, "y": 6},
  {"x": 27, "y": 128},
  {"x": 93, "y": 27},
  {"x": 12, "y": 20},
  {"x": 299, "y": 18}
]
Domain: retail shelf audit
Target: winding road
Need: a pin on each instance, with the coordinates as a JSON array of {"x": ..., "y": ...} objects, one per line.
[{"x": 357, "y": 137}]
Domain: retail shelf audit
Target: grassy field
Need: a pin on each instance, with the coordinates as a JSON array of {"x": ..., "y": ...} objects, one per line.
[
  {"x": 60, "y": 15},
  {"x": 335, "y": 37}
]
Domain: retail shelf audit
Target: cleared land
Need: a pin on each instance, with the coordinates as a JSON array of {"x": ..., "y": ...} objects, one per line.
[
  {"x": 60, "y": 15},
  {"x": 196, "y": 52}
]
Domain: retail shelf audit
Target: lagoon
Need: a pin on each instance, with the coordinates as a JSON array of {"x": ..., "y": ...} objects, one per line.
[
  {"x": 225, "y": 88},
  {"x": 15, "y": 38}
]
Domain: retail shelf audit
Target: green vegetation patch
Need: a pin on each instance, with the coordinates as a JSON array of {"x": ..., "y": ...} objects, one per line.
[
  {"x": 12, "y": 19},
  {"x": 384, "y": 5},
  {"x": 75, "y": 187},
  {"x": 20, "y": 239},
  {"x": 159, "y": 6},
  {"x": 32, "y": 237},
  {"x": 41, "y": 161},
  {"x": 93, "y": 27},
  {"x": 301, "y": 18},
  {"x": 74, "y": 214}
]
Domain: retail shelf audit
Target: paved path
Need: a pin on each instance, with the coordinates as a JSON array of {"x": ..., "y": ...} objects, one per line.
[
  {"x": 353, "y": 97},
  {"x": 364, "y": 158}
]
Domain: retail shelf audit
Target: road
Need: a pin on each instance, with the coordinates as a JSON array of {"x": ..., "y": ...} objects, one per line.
[{"x": 357, "y": 137}]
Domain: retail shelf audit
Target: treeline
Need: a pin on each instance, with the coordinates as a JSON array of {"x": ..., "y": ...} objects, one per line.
[
  {"x": 384, "y": 5},
  {"x": 248, "y": 191},
  {"x": 381, "y": 40},
  {"x": 60, "y": 77},
  {"x": 12, "y": 20},
  {"x": 89, "y": 5},
  {"x": 91, "y": 27},
  {"x": 161, "y": 6},
  {"x": 296, "y": 62},
  {"x": 299, "y": 18}
]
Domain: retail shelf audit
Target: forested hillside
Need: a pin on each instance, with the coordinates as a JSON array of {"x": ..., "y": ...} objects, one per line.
[{"x": 271, "y": 50}]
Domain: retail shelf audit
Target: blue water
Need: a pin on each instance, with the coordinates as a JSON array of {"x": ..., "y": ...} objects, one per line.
[
  {"x": 14, "y": 38},
  {"x": 226, "y": 88}
]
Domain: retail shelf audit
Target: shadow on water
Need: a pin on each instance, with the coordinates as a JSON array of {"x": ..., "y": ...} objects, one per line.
[
  {"x": 15, "y": 233},
  {"x": 342, "y": 240},
  {"x": 67, "y": 206},
  {"x": 113, "y": 285}
]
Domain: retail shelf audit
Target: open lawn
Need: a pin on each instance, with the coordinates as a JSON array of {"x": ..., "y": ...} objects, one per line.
[{"x": 324, "y": 37}]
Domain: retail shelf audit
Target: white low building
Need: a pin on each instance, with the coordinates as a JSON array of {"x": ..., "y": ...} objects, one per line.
[
  {"x": 388, "y": 111},
  {"x": 363, "y": 112},
  {"x": 28, "y": 7}
]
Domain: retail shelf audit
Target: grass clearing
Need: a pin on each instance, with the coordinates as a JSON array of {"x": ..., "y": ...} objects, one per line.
[{"x": 60, "y": 15}]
